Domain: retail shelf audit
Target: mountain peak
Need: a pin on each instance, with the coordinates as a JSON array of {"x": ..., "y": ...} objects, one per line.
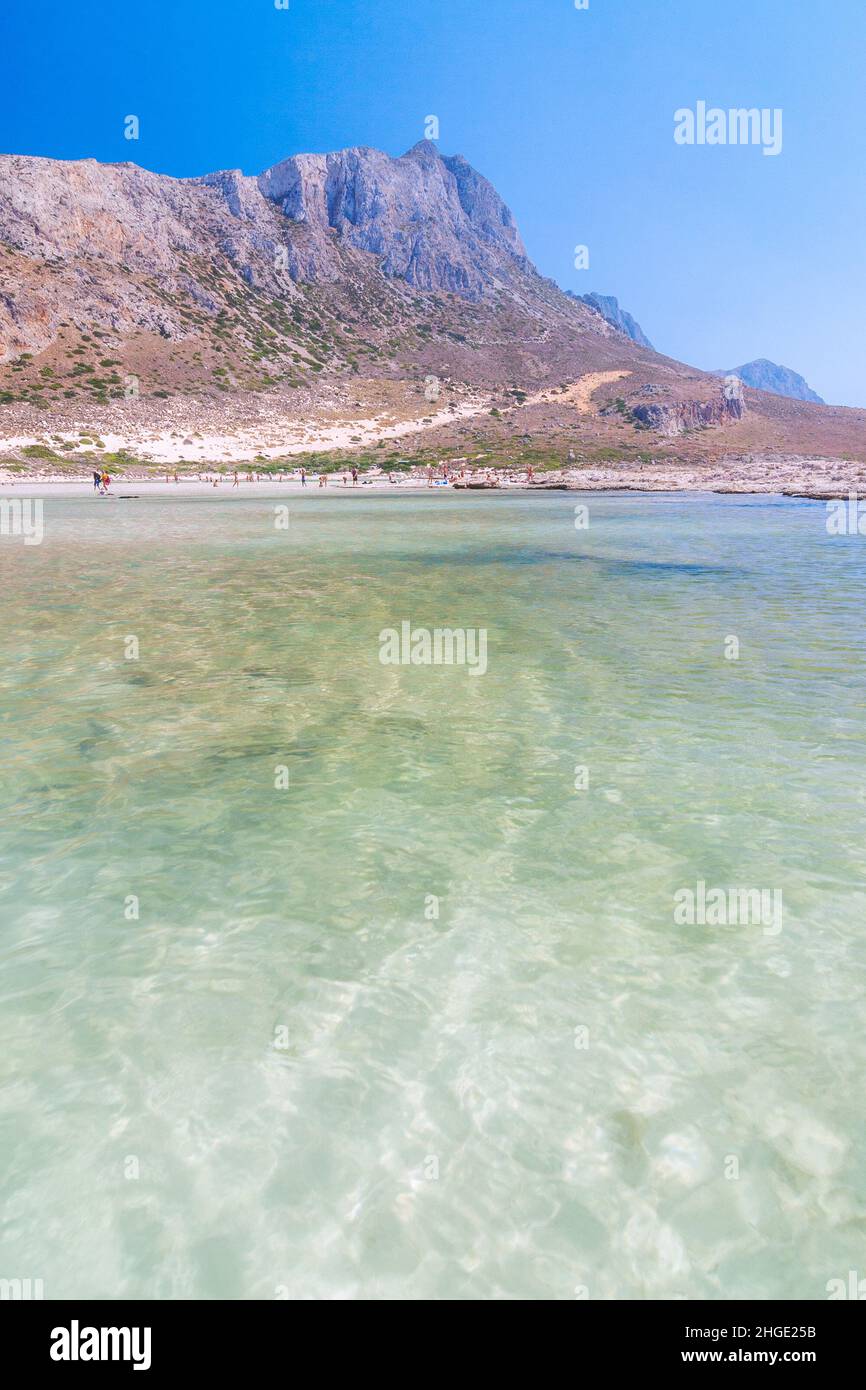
[
  {"x": 432, "y": 220},
  {"x": 764, "y": 375},
  {"x": 423, "y": 149}
]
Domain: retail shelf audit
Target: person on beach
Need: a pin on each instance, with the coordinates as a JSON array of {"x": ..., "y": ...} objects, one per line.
[
  {"x": 106, "y": 483},
  {"x": 236, "y": 480},
  {"x": 354, "y": 477},
  {"x": 529, "y": 474},
  {"x": 303, "y": 477},
  {"x": 429, "y": 476},
  {"x": 97, "y": 480}
]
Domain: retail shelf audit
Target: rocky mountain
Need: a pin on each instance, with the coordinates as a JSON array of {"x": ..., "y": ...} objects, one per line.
[
  {"x": 108, "y": 241},
  {"x": 609, "y": 308},
  {"x": 336, "y": 300},
  {"x": 432, "y": 220},
  {"x": 780, "y": 381}
]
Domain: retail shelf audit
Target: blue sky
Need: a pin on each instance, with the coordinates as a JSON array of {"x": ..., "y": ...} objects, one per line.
[{"x": 723, "y": 254}]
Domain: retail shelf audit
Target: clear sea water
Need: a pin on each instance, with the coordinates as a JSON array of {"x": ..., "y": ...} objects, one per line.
[{"x": 286, "y": 1076}]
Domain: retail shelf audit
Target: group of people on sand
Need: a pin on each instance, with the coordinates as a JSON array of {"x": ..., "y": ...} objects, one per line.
[
  {"x": 449, "y": 473},
  {"x": 324, "y": 478},
  {"x": 101, "y": 482}
]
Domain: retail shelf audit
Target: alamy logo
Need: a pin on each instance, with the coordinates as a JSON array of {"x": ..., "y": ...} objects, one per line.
[
  {"x": 21, "y": 1290},
  {"x": 846, "y": 518},
  {"x": 439, "y": 646},
  {"x": 75, "y": 1343},
  {"x": 854, "y": 1288},
  {"x": 729, "y": 907},
  {"x": 737, "y": 126},
  {"x": 22, "y": 516}
]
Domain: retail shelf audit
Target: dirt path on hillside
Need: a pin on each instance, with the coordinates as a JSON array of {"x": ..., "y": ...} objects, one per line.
[{"x": 579, "y": 394}]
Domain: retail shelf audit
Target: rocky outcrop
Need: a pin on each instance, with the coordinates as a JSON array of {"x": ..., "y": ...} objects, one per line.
[
  {"x": 432, "y": 220},
  {"x": 609, "y": 307},
  {"x": 678, "y": 417},
  {"x": 764, "y": 375}
]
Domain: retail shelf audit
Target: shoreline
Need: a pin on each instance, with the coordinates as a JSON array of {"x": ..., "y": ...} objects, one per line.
[{"x": 128, "y": 488}]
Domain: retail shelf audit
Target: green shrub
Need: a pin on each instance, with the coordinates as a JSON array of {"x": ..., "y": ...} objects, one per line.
[{"x": 39, "y": 451}]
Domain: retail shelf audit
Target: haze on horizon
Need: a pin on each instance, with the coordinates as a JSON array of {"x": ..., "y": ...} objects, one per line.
[{"x": 722, "y": 255}]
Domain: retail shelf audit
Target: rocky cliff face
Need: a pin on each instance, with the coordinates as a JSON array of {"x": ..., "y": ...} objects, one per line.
[
  {"x": 682, "y": 416},
  {"x": 779, "y": 381},
  {"x": 432, "y": 221},
  {"x": 609, "y": 307}
]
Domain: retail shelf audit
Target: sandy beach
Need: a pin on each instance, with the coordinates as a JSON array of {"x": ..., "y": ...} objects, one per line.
[{"x": 783, "y": 476}]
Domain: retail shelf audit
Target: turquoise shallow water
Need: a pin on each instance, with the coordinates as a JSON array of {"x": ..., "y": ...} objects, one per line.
[{"x": 287, "y": 1077}]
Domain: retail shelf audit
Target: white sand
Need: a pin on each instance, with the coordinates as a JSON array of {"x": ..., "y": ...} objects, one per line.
[{"x": 286, "y": 437}]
